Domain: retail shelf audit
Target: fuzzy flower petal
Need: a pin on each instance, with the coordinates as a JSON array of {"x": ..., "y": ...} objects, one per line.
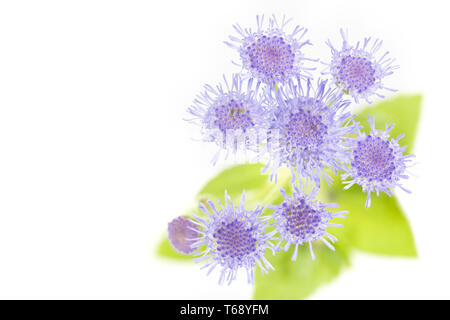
[
  {"x": 299, "y": 220},
  {"x": 228, "y": 113},
  {"x": 270, "y": 54},
  {"x": 377, "y": 163},
  {"x": 309, "y": 129},
  {"x": 358, "y": 70},
  {"x": 235, "y": 238}
]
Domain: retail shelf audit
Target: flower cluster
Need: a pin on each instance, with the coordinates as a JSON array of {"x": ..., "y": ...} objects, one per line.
[{"x": 274, "y": 107}]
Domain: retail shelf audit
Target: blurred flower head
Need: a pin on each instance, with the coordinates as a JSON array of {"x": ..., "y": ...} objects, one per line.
[
  {"x": 182, "y": 233},
  {"x": 377, "y": 163},
  {"x": 358, "y": 70},
  {"x": 235, "y": 238},
  {"x": 269, "y": 53},
  {"x": 299, "y": 220}
]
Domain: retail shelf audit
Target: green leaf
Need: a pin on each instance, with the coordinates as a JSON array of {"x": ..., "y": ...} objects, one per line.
[
  {"x": 166, "y": 250},
  {"x": 382, "y": 229},
  {"x": 403, "y": 110},
  {"x": 234, "y": 180},
  {"x": 293, "y": 280},
  {"x": 258, "y": 187}
]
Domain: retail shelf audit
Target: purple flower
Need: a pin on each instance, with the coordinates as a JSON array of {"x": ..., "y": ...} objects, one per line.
[
  {"x": 235, "y": 238},
  {"x": 300, "y": 219},
  {"x": 269, "y": 53},
  {"x": 311, "y": 125},
  {"x": 377, "y": 163},
  {"x": 182, "y": 233},
  {"x": 228, "y": 112},
  {"x": 357, "y": 70}
]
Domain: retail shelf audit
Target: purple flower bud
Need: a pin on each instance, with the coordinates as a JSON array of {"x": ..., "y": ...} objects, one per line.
[{"x": 182, "y": 233}]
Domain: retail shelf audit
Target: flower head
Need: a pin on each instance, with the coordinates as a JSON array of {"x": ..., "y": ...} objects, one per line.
[
  {"x": 357, "y": 70},
  {"x": 228, "y": 112},
  {"x": 270, "y": 54},
  {"x": 311, "y": 125},
  {"x": 377, "y": 163},
  {"x": 300, "y": 219},
  {"x": 182, "y": 233},
  {"x": 235, "y": 238}
]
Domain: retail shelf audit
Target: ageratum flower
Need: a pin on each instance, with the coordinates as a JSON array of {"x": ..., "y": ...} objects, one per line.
[
  {"x": 269, "y": 53},
  {"x": 181, "y": 234},
  {"x": 308, "y": 130},
  {"x": 235, "y": 238},
  {"x": 228, "y": 112},
  {"x": 357, "y": 71},
  {"x": 300, "y": 219},
  {"x": 377, "y": 163}
]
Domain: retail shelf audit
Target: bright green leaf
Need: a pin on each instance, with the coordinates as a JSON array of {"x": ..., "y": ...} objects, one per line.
[
  {"x": 234, "y": 180},
  {"x": 403, "y": 110},
  {"x": 258, "y": 187},
  {"x": 294, "y": 280},
  {"x": 166, "y": 250},
  {"x": 381, "y": 229}
]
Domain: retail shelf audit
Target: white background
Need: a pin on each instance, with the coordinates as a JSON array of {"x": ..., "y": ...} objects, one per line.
[{"x": 95, "y": 158}]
